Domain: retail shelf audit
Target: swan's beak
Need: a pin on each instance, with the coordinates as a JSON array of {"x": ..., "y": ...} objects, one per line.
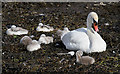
[{"x": 96, "y": 27}]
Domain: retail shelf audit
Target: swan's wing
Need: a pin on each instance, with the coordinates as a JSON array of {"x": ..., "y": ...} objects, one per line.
[
  {"x": 81, "y": 30},
  {"x": 76, "y": 40},
  {"x": 98, "y": 44}
]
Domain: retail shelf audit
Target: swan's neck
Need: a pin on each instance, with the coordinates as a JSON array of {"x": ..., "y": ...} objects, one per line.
[
  {"x": 91, "y": 33},
  {"x": 93, "y": 37},
  {"x": 89, "y": 23}
]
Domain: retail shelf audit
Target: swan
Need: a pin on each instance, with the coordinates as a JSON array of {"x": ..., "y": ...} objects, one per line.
[
  {"x": 85, "y": 39},
  {"x": 16, "y": 31},
  {"x": 33, "y": 46},
  {"x": 86, "y": 60},
  {"x": 45, "y": 39}
]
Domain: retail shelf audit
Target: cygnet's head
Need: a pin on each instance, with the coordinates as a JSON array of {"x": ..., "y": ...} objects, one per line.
[
  {"x": 43, "y": 35},
  {"x": 66, "y": 29},
  {"x": 92, "y": 21},
  {"x": 13, "y": 27},
  {"x": 79, "y": 53},
  {"x": 40, "y": 24},
  {"x": 34, "y": 41}
]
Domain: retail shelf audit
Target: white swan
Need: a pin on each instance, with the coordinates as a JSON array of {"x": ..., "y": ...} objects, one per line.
[
  {"x": 16, "y": 31},
  {"x": 85, "y": 39}
]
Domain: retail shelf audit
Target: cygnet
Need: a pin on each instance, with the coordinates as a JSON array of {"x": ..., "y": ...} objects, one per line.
[
  {"x": 45, "y": 39},
  {"x": 86, "y": 60},
  {"x": 33, "y": 46},
  {"x": 44, "y": 28},
  {"x": 26, "y": 40},
  {"x": 16, "y": 31}
]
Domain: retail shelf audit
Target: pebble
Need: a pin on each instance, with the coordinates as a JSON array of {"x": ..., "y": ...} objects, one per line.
[
  {"x": 56, "y": 44},
  {"x": 41, "y": 14},
  {"x": 49, "y": 58},
  {"x": 73, "y": 63},
  {"x": 62, "y": 60},
  {"x": 69, "y": 5},
  {"x": 119, "y": 54},
  {"x": 87, "y": 7},
  {"x": 71, "y": 53},
  {"x": 3, "y": 42},
  {"x": 106, "y": 24},
  {"x": 24, "y": 64},
  {"x": 3, "y": 53},
  {"x": 53, "y": 35},
  {"x": 113, "y": 51},
  {"x": 8, "y": 12},
  {"x": 69, "y": 66},
  {"x": 60, "y": 67}
]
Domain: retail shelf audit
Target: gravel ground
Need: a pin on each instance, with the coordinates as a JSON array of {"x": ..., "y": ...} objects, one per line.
[{"x": 15, "y": 57}]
